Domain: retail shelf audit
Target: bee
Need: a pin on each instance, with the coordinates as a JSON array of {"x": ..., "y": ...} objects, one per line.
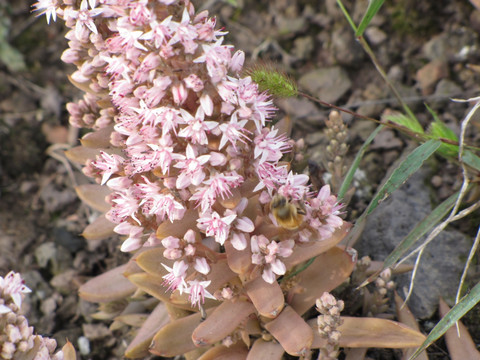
[{"x": 288, "y": 215}]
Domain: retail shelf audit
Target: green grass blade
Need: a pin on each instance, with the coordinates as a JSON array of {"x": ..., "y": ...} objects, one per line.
[
  {"x": 347, "y": 15},
  {"x": 404, "y": 120},
  {"x": 373, "y": 7},
  {"x": 351, "y": 172},
  {"x": 471, "y": 159},
  {"x": 455, "y": 314},
  {"x": 409, "y": 166}
]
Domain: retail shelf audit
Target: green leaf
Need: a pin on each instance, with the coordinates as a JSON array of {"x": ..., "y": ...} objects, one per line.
[
  {"x": 421, "y": 229},
  {"x": 353, "y": 168},
  {"x": 438, "y": 130},
  {"x": 409, "y": 166},
  {"x": 373, "y": 7},
  {"x": 404, "y": 120},
  {"x": 471, "y": 159},
  {"x": 455, "y": 314}
]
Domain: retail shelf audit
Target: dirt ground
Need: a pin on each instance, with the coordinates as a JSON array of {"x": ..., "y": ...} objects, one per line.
[{"x": 426, "y": 49}]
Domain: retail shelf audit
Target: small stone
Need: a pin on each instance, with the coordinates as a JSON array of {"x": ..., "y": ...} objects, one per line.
[
  {"x": 45, "y": 253},
  {"x": 302, "y": 47},
  {"x": 436, "y": 181},
  {"x": 444, "y": 91},
  {"x": 345, "y": 48},
  {"x": 328, "y": 84},
  {"x": 430, "y": 74},
  {"x": 95, "y": 331},
  {"x": 386, "y": 139},
  {"x": 375, "y": 35}
]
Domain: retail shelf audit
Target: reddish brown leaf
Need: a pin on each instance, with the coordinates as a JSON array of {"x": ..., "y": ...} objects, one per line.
[
  {"x": 178, "y": 228},
  {"x": 328, "y": 271},
  {"x": 459, "y": 348},
  {"x": 99, "y": 229},
  {"x": 304, "y": 252},
  {"x": 405, "y": 316},
  {"x": 80, "y": 154},
  {"x": 372, "y": 332},
  {"x": 222, "y": 322},
  {"x": 139, "y": 345},
  {"x": 69, "y": 351},
  {"x": 175, "y": 338},
  {"x": 98, "y": 139},
  {"x": 109, "y": 286},
  {"x": 235, "y": 352},
  {"x": 94, "y": 196},
  {"x": 265, "y": 350},
  {"x": 267, "y": 298},
  {"x": 238, "y": 261},
  {"x": 292, "y": 332}
]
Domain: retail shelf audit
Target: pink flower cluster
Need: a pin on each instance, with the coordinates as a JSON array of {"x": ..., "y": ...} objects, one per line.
[
  {"x": 189, "y": 136},
  {"x": 17, "y": 339}
]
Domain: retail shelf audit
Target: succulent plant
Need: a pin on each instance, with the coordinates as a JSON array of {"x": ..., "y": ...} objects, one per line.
[
  {"x": 17, "y": 338},
  {"x": 220, "y": 229}
]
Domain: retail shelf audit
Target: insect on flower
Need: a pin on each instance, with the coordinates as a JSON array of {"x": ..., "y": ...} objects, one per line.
[{"x": 288, "y": 215}]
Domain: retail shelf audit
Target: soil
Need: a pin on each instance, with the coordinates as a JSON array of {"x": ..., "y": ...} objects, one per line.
[{"x": 426, "y": 48}]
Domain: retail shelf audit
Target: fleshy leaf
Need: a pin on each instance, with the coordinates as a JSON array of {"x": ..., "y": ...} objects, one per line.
[
  {"x": 138, "y": 348},
  {"x": 151, "y": 261},
  {"x": 99, "y": 229},
  {"x": 372, "y": 332},
  {"x": 109, "y": 286},
  {"x": 466, "y": 304},
  {"x": 165, "y": 344},
  {"x": 178, "y": 228},
  {"x": 238, "y": 261},
  {"x": 219, "y": 275},
  {"x": 235, "y": 352},
  {"x": 265, "y": 350},
  {"x": 459, "y": 347},
  {"x": 94, "y": 196},
  {"x": 97, "y": 139},
  {"x": 80, "y": 154},
  {"x": 69, "y": 351},
  {"x": 152, "y": 285},
  {"x": 222, "y": 322},
  {"x": 292, "y": 332},
  {"x": 267, "y": 298},
  {"x": 328, "y": 271},
  {"x": 305, "y": 252},
  {"x": 405, "y": 316}
]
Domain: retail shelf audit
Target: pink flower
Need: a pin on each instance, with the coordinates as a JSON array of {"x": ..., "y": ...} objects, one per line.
[
  {"x": 196, "y": 129},
  {"x": 108, "y": 164},
  {"x": 47, "y": 8},
  {"x": 191, "y": 168},
  {"x": 83, "y": 18},
  {"x": 198, "y": 292},
  {"x": 13, "y": 286},
  {"x": 269, "y": 146},
  {"x": 266, "y": 253},
  {"x": 214, "y": 225},
  {"x": 175, "y": 279}
]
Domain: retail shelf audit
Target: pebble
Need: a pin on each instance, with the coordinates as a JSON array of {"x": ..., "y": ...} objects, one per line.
[
  {"x": 430, "y": 74},
  {"x": 328, "y": 84},
  {"x": 375, "y": 35}
]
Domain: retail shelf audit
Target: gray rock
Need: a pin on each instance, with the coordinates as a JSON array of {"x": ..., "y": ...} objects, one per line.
[
  {"x": 443, "y": 260},
  {"x": 328, "y": 84},
  {"x": 444, "y": 92},
  {"x": 345, "y": 48},
  {"x": 302, "y": 47},
  {"x": 375, "y": 35}
]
